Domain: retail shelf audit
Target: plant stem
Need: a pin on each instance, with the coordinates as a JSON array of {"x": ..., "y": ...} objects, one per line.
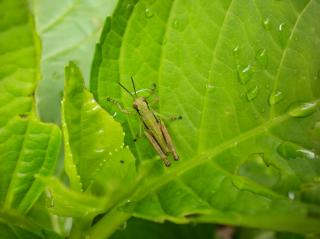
[
  {"x": 108, "y": 224},
  {"x": 79, "y": 228}
]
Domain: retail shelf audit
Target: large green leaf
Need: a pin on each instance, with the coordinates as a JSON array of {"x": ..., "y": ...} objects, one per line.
[
  {"x": 68, "y": 31},
  {"x": 245, "y": 77},
  {"x": 28, "y": 148}
]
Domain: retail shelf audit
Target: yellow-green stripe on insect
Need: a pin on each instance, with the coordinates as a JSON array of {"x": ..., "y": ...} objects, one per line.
[{"x": 154, "y": 129}]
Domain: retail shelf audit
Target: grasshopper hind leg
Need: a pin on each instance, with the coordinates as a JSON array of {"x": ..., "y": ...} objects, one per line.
[
  {"x": 168, "y": 139},
  {"x": 156, "y": 146}
]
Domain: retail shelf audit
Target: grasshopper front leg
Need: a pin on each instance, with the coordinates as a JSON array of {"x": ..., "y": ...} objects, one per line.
[
  {"x": 157, "y": 147},
  {"x": 120, "y": 106}
]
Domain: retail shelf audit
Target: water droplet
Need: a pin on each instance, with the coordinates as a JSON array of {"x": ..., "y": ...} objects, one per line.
[
  {"x": 252, "y": 93},
  {"x": 210, "y": 86},
  {"x": 236, "y": 50},
  {"x": 175, "y": 24},
  {"x": 148, "y": 13},
  {"x": 266, "y": 24},
  {"x": 303, "y": 109},
  {"x": 123, "y": 226},
  {"x": 283, "y": 31},
  {"x": 262, "y": 57},
  {"x": 257, "y": 168},
  {"x": 316, "y": 76},
  {"x": 245, "y": 74},
  {"x": 291, "y": 195},
  {"x": 129, "y": 6},
  {"x": 307, "y": 153},
  {"x": 128, "y": 206},
  {"x": 275, "y": 97},
  {"x": 289, "y": 151},
  {"x": 99, "y": 150}
]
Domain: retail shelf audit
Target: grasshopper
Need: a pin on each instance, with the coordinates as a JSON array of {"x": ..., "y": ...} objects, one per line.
[{"x": 154, "y": 129}]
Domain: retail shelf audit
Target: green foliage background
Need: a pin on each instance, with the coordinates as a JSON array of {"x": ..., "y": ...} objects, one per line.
[{"x": 244, "y": 75}]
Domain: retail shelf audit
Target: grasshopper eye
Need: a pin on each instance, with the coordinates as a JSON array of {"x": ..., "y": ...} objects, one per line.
[{"x": 135, "y": 105}]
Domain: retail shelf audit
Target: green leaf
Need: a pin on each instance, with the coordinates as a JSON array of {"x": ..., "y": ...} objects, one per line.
[
  {"x": 244, "y": 75},
  {"x": 16, "y": 227},
  {"x": 12, "y": 232},
  {"x": 136, "y": 228},
  {"x": 68, "y": 31},
  {"x": 100, "y": 169},
  {"x": 96, "y": 159},
  {"x": 62, "y": 201},
  {"x": 27, "y": 146}
]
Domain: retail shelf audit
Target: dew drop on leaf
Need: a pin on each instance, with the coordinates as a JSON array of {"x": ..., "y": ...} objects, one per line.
[
  {"x": 266, "y": 24},
  {"x": 176, "y": 24},
  {"x": 291, "y": 195},
  {"x": 252, "y": 93},
  {"x": 283, "y": 29},
  {"x": 210, "y": 86},
  {"x": 148, "y": 13},
  {"x": 236, "y": 50},
  {"x": 275, "y": 97},
  {"x": 123, "y": 226},
  {"x": 256, "y": 168},
  {"x": 245, "y": 74},
  {"x": 262, "y": 57},
  {"x": 129, "y": 7},
  {"x": 289, "y": 151},
  {"x": 128, "y": 206},
  {"x": 303, "y": 109}
]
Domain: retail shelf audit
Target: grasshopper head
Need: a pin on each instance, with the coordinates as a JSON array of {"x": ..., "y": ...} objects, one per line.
[{"x": 138, "y": 102}]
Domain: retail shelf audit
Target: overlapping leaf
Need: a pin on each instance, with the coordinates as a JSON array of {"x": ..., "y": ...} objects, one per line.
[
  {"x": 68, "y": 31},
  {"x": 96, "y": 161},
  {"x": 27, "y": 147},
  {"x": 96, "y": 158},
  {"x": 245, "y": 77}
]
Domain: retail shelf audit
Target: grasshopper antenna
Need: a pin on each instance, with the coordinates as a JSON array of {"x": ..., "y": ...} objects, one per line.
[
  {"x": 123, "y": 87},
  {"x": 134, "y": 87}
]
